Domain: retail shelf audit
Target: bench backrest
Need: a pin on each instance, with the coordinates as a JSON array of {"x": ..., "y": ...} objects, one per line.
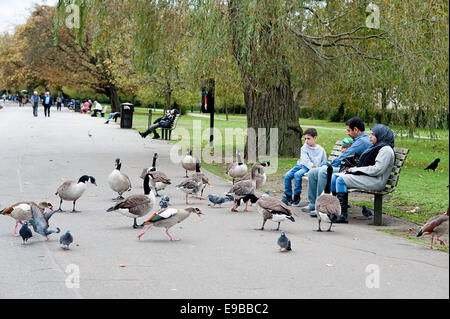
[
  {"x": 174, "y": 124},
  {"x": 400, "y": 157}
]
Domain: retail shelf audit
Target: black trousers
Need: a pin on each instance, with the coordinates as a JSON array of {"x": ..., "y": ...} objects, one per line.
[
  {"x": 47, "y": 110},
  {"x": 58, "y": 107},
  {"x": 35, "y": 109}
]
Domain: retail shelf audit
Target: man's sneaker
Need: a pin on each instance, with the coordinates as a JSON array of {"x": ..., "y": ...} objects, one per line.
[
  {"x": 287, "y": 200},
  {"x": 306, "y": 209},
  {"x": 296, "y": 201},
  {"x": 142, "y": 135},
  {"x": 313, "y": 213}
]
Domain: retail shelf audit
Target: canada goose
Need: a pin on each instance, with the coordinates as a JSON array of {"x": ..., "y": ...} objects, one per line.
[
  {"x": 188, "y": 162},
  {"x": 244, "y": 187},
  {"x": 40, "y": 222},
  {"x": 237, "y": 169},
  {"x": 118, "y": 181},
  {"x": 158, "y": 180},
  {"x": 261, "y": 177},
  {"x": 273, "y": 209},
  {"x": 328, "y": 207},
  {"x": 22, "y": 212},
  {"x": 72, "y": 191},
  {"x": 200, "y": 176},
  {"x": 169, "y": 217},
  {"x": 436, "y": 226},
  {"x": 136, "y": 206}
]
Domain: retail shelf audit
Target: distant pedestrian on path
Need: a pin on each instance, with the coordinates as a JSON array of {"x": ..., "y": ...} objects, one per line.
[
  {"x": 47, "y": 103},
  {"x": 58, "y": 103},
  {"x": 4, "y": 98},
  {"x": 35, "y": 103}
]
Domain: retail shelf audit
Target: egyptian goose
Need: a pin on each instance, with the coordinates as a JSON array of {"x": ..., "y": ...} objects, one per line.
[
  {"x": 237, "y": 169},
  {"x": 40, "y": 222},
  {"x": 188, "y": 162},
  {"x": 159, "y": 180},
  {"x": 328, "y": 207},
  {"x": 273, "y": 209},
  {"x": 72, "y": 191},
  {"x": 261, "y": 176},
  {"x": 169, "y": 217},
  {"x": 22, "y": 212},
  {"x": 243, "y": 188},
  {"x": 436, "y": 226},
  {"x": 118, "y": 181},
  {"x": 136, "y": 206}
]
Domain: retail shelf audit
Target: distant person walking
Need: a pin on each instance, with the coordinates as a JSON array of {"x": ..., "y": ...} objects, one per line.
[
  {"x": 4, "y": 98},
  {"x": 35, "y": 103},
  {"x": 47, "y": 103},
  {"x": 58, "y": 103}
]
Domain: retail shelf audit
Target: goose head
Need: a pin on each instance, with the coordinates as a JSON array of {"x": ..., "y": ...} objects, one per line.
[
  {"x": 147, "y": 189},
  {"x": 45, "y": 205},
  {"x": 194, "y": 210},
  {"x": 118, "y": 164},
  {"x": 85, "y": 178}
]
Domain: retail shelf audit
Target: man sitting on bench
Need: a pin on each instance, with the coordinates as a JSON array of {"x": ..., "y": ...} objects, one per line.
[{"x": 163, "y": 122}]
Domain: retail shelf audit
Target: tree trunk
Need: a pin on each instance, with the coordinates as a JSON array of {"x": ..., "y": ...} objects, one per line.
[
  {"x": 113, "y": 95},
  {"x": 274, "y": 107}
]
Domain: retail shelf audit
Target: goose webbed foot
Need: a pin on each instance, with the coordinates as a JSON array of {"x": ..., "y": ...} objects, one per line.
[
  {"x": 59, "y": 210},
  {"x": 120, "y": 197},
  {"x": 136, "y": 226}
]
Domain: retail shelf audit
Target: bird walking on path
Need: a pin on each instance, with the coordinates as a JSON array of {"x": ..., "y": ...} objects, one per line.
[
  {"x": 22, "y": 212},
  {"x": 273, "y": 209},
  {"x": 136, "y": 206},
  {"x": 169, "y": 217},
  {"x": 65, "y": 240},
  {"x": 284, "y": 243},
  {"x": 40, "y": 222},
  {"x": 328, "y": 206},
  {"x": 118, "y": 181},
  {"x": 436, "y": 226},
  {"x": 25, "y": 233},
  {"x": 217, "y": 200},
  {"x": 72, "y": 191}
]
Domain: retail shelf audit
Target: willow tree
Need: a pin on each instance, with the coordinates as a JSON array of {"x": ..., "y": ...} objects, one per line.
[{"x": 268, "y": 38}]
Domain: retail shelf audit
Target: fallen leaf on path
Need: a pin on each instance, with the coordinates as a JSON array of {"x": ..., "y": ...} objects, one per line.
[
  {"x": 122, "y": 265},
  {"x": 329, "y": 265},
  {"x": 26, "y": 183},
  {"x": 356, "y": 238}
]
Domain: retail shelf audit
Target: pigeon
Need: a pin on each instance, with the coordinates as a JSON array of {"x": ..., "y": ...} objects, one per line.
[
  {"x": 284, "y": 243},
  {"x": 366, "y": 212},
  {"x": 217, "y": 200},
  {"x": 40, "y": 222},
  {"x": 433, "y": 165},
  {"x": 164, "y": 202},
  {"x": 65, "y": 240},
  {"x": 25, "y": 232}
]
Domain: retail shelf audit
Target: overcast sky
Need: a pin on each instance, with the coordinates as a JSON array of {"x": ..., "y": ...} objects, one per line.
[{"x": 16, "y": 12}]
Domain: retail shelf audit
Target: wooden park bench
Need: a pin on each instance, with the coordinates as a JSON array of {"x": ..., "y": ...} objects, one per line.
[
  {"x": 400, "y": 157},
  {"x": 166, "y": 133}
]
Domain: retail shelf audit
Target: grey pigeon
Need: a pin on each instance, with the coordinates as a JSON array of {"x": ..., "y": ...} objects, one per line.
[
  {"x": 284, "y": 243},
  {"x": 164, "y": 202},
  {"x": 40, "y": 223},
  {"x": 366, "y": 212},
  {"x": 25, "y": 233},
  {"x": 65, "y": 240},
  {"x": 217, "y": 200}
]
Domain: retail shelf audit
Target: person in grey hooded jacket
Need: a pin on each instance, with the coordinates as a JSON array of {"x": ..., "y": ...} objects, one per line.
[{"x": 372, "y": 171}]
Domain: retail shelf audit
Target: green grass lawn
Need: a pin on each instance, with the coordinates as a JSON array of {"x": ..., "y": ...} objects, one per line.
[{"x": 426, "y": 190}]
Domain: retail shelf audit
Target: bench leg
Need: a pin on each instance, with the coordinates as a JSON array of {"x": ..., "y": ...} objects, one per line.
[
  {"x": 378, "y": 210},
  {"x": 170, "y": 135}
]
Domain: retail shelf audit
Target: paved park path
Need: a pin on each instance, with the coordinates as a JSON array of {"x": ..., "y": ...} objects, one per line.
[{"x": 220, "y": 255}]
